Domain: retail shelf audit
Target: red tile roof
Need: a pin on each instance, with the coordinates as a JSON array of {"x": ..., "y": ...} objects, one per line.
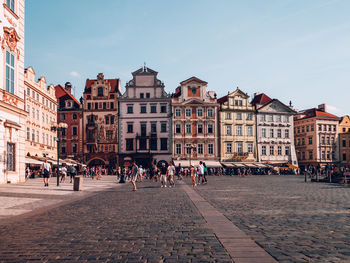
[
  {"x": 315, "y": 112},
  {"x": 113, "y": 82},
  {"x": 262, "y": 98},
  {"x": 65, "y": 92},
  {"x": 222, "y": 99}
]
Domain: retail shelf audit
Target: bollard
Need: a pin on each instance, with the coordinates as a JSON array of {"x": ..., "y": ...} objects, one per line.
[
  {"x": 305, "y": 177},
  {"x": 78, "y": 183}
]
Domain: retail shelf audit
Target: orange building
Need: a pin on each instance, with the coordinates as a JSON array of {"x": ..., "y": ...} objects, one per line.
[{"x": 344, "y": 141}]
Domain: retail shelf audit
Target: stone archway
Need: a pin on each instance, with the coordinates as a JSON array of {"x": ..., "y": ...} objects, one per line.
[{"x": 96, "y": 161}]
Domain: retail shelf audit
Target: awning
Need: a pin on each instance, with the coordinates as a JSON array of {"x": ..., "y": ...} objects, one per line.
[
  {"x": 227, "y": 164},
  {"x": 195, "y": 163},
  {"x": 29, "y": 160},
  {"x": 251, "y": 165},
  {"x": 210, "y": 163}
]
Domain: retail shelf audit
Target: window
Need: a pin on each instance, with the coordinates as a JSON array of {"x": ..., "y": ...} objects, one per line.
[
  {"x": 303, "y": 155},
  {"x": 263, "y": 150},
  {"x": 188, "y": 149},
  {"x": 153, "y": 127},
  {"x": 200, "y": 128},
  {"x": 104, "y": 105},
  {"x": 263, "y": 132},
  {"x": 37, "y": 136},
  {"x": 188, "y": 128},
  {"x": 143, "y": 108},
  {"x": 328, "y": 141},
  {"x": 239, "y": 116},
  {"x": 129, "y": 144},
  {"x": 344, "y": 143},
  {"x": 287, "y": 150},
  {"x": 228, "y": 115},
  {"x": 33, "y": 95},
  {"x": 100, "y": 92},
  {"x": 43, "y": 137},
  {"x": 89, "y": 106},
  {"x": 239, "y": 147},
  {"x": 130, "y": 109},
  {"x": 178, "y": 128},
  {"x": 334, "y": 128},
  {"x": 142, "y": 95},
  {"x": 279, "y": 133},
  {"x": 37, "y": 96},
  {"x": 63, "y": 132},
  {"x": 228, "y": 148},
  {"x": 75, "y": 131},
  {"x": 307, "y": 128},
  {"x": 312, "y": 127},
  {"x": 310, "y": 155},
  {"x": 10, "y": 72},
  {"x": 323, "y": 140},
  {"x": 143, "y": 129},
  {"x": 272, "y": 150},
  {"x": 210, "y": 148},
  {"x": 109, "y": 135},
  {"x": 323, "y": 155},
  {"x": 271, "y": 133},
  {"x": 178, "y": 148},
  {"x": 210, "y": 128},
  {"x": 250, "y": 147},
  {"x": 328, "y": 155},
  {"x": 163, "y": 108},
  {"x": 320, "y": 127},
  {"x": 11, "y": 5},
  {"x": 130, "y": 127},
  {"x": 43, "y": 117},
  {"x": 200, "y": 148},
  {"x": 153, "y": 144},
  {"x": 96, "y": 105},
  {"x": 112, "y": 119},
  {"x": 310, "y": 140},
  {"x": 303, "y": 129},
  {"x": 74, "y": 148},
  {"x": 239, "y": 130},
  {"x": 249, "y": 116},
  {"x": 148, "y": 95},
  {"x": 28, "y": 133},
  {"x": 47, "y": 117},
  {"x": 111, "y": 105},
  {"x": 177, "y": 112},
  {"x": 188, "y": 112},
  {"x": 228, "y": 130},
  {"x": 262, "y": 117},
  {"x": 302, "y": 141},
  {"x": 286, "y": 118},
  {"x": 270, "y": 118},
  {"x": 286, "y": 134},
  {"x": 28, "y": 91},
  {"x": 163, "y": 127},
  {"x": 11, "y": 154},
  {"x": 163, "y": 144},
  {"x": 279, "y": 150},
  {"x": 344, "y": 156},
  {"x": 210, "y": 113},
  {"x": 250, "y": 130},
  {"x": 107, "y": 120},
  {"x": 153, "y": 108},
  {"x": 278, "y": 118},
  {"x": 33, "y": 135},
  {"x": 200, "y": 112},
  {"x": 74, "y": 116}
]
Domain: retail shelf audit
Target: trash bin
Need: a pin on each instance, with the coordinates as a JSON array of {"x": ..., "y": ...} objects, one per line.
[{"x": 78, "y": 183}]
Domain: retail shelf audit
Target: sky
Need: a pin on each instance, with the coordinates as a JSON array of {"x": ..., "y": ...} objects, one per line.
[{"x": 292, "y": 50}]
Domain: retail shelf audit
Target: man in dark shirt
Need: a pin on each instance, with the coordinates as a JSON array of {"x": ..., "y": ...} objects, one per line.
[{"x": 163, "y": 172}]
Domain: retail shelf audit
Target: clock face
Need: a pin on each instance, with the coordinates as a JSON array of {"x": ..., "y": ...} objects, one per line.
[{"x": 131, "y": 82}]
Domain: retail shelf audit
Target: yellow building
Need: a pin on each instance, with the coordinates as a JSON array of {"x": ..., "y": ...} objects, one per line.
[
  {"x": 41, "y": 105},
  {"x": 344, "y": 141},
  {"x": 237, "y": 129}
]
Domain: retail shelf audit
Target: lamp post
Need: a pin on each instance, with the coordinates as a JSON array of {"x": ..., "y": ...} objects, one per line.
[{"x": 58, "y": 128}]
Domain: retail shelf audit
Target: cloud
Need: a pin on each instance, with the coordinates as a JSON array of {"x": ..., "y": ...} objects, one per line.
[
  {"x": 334, "y": 110},
  {"x": 74, "y": 74}
]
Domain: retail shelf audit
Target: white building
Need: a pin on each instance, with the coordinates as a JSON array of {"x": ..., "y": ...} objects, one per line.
[
  {"x": 275, "y": 132},
  {"x": 12, "y": 97}
]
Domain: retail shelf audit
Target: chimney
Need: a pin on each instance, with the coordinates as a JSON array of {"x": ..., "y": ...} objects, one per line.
[
  {"x": 68, "y": 87},
  {"x": 256, "y": 94},
  {"x": 322, "y": 107}
]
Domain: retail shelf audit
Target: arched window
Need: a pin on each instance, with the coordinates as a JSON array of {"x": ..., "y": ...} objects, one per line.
[{"x": 100, "y": 91}]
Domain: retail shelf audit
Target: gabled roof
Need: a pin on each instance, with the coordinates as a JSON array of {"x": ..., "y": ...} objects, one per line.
[
  {"x": 193, "y": 79},
  {"x": 238, "y": 90},
  {"x": 262, "y": 98},
  {"x": 65, "y": 92},
  {"x": 315, "y": 112},
  {"x": 115, "y": 83},
  {"x": 222, "y": 99},
  {"x": 144, "y": 71},
  {"x": 278, "y": 102}
]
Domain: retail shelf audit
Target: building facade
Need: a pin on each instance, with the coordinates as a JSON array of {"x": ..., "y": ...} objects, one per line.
[
  {"x": 237, "y": 128},
  {"x": 344, "y": 141},
  {"x": 100, "y": 121},
  {"x": 145, "y": 120},
  {"x": 12, "y": 93},
  {"x": 69, "y": 112},
  {"x": 195, "y": 124},
  {"x": 41, "y": 105},
  {"x": 316, "y": 137},
  {"x": 275, "y": 133}
]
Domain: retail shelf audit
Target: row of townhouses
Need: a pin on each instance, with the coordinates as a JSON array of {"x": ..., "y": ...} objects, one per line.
[{"x": 145, "y": 123}]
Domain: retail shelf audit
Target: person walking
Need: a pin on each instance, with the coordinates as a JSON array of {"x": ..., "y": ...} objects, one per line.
[
  {"x": 64, "y": 173},
  {"x": 72, "y": 173},
  {"x": 205, "y": 169},
  {"x": 170, "y": 174},
  {"x": 193, "y": 175},
  {"x": 163, "y": 175},
  {"x": 134, "y": 172},
  {"x": 47, "y": 172}
]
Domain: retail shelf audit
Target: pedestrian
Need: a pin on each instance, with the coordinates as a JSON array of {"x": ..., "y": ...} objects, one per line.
[
  {"x": 205, "y": 169},
  {"x": 72, "y": 173},
  {"x": 193, "y": 175},
  {"x": 170, "y": 174},
  {"x": 163, "y": 174},
  {"x": 134, "y": 172},
  {"x": 47, "y": 172},
  {"x": 27, "y": 172},
  {"x": 140, "y": 173},
  {"x": 64, "y": 173}
]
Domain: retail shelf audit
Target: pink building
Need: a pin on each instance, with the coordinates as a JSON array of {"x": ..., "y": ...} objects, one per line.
[{"x": 145, "y": 120}]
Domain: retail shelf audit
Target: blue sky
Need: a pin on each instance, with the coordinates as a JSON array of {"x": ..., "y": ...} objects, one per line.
[{"x": 290, "y": 49}]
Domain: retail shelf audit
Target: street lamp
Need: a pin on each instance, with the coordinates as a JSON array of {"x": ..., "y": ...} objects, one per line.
[{"x": 58, "y": 128}]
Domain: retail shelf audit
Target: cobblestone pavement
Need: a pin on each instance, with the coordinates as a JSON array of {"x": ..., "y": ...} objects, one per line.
[
  {"x": 151, "y": 225},
  {"x": 292, "y": 220}
]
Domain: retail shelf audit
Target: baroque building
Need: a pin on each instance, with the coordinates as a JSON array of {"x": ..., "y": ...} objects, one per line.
[
  {"x": 275, "y": 133},
  {"x": 41, "y": 105},
  {"x": 344, "y": 141},
  {"x": 12, "y": 93},
  {"x": 237, "y": 129},
  {"x": 145, "y": 120},
  {"x": 69, "y": 112},
  {"x": 316, "y": 137},
  {"x": 100, "y": 121},
  {"x": 195, "y": 121}
]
